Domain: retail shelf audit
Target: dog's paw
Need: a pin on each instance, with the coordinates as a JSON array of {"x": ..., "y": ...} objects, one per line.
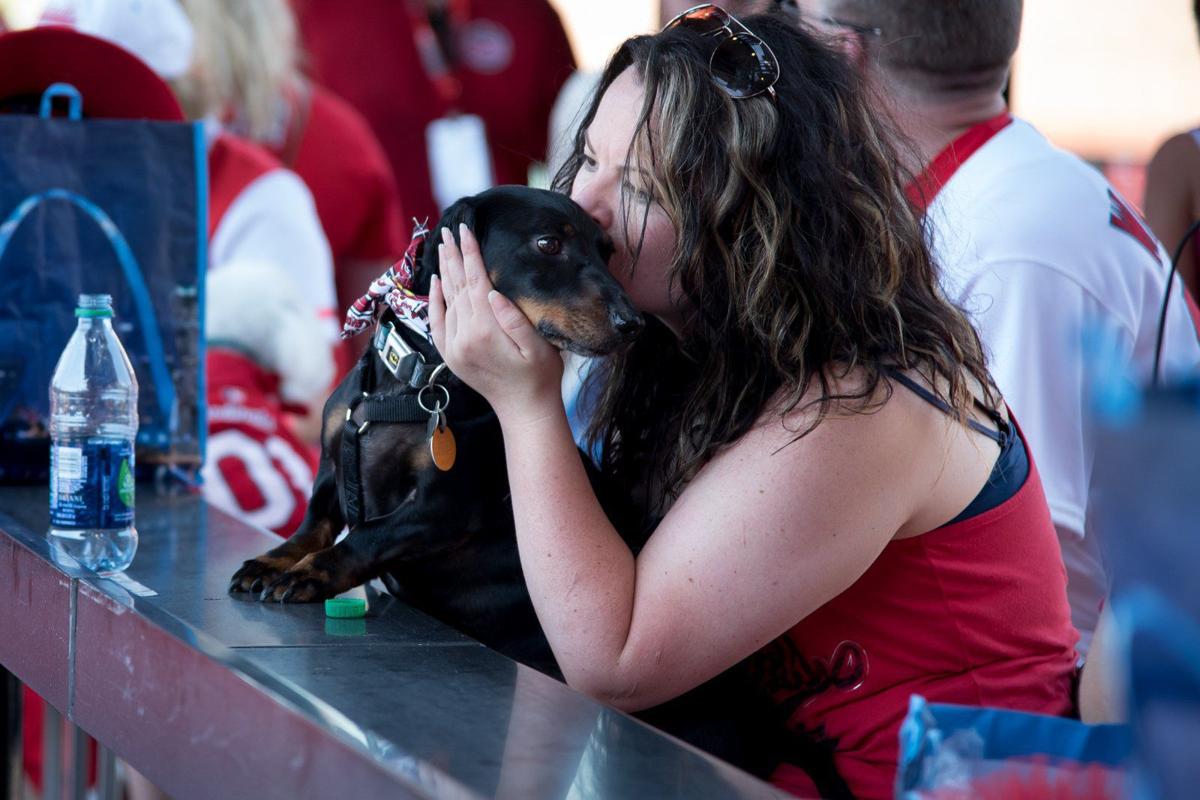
[
  {"x": 256, "y": 573},
  {"x": 303, "y": 583}
]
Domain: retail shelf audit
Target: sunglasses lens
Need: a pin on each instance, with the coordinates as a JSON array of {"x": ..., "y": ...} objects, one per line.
[
  {"x": 743, "y": 66},
  {"x": 704, "y": 20}
]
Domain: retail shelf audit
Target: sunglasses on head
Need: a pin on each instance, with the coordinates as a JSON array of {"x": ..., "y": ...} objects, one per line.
[{"x": 741, "y": 64}]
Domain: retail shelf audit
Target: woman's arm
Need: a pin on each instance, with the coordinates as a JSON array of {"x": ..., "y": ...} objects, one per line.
[
  {"x": 1102, "y": 683},
  {"x": 1170, "y": 206},
  {"x": 764, "y": 534},
  {"x": 761, "y": 538}
]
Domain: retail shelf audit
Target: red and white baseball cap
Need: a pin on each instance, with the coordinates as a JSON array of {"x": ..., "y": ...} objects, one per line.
[{"x": 115, "y": 52}]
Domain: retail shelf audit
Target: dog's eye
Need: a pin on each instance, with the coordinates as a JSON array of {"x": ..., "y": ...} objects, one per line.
[{"x": 549, "y": 245}]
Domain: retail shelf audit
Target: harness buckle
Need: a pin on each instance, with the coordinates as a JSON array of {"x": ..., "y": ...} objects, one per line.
[{"x": 392, "y": 349}]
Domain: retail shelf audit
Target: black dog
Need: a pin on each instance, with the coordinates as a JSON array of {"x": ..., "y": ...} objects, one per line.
[{"x": 443, "y": 540}]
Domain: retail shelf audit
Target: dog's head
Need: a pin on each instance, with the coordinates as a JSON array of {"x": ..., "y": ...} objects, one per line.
[{"x": 545, "y": 254}]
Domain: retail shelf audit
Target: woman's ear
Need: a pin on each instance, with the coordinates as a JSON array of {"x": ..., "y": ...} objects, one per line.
[
  {"x": 852, "y": 46},
  {"x": 855, "y": 48}
]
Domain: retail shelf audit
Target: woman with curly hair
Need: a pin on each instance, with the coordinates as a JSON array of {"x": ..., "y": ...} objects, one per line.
[{"x": 832, "y": 490}]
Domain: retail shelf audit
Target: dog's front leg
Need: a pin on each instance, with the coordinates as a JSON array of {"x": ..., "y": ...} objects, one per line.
[
  {"x": 358, "y": 558},
  {"x": 322, "y": 523}
]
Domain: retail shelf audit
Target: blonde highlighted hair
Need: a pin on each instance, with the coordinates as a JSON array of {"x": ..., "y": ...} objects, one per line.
[{"x": 246, "y": 58}]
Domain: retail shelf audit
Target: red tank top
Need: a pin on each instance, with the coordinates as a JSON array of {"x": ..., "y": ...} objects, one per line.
[{"x": 973, "y": 613}]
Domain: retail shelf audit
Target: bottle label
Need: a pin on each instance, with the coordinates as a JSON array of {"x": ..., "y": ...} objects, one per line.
[{"x": 91, "y": 484}]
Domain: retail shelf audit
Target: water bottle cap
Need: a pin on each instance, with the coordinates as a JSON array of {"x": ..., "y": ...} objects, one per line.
[
  {"x": 345, "y": 607},
  {"x": 94, "y": 305}
]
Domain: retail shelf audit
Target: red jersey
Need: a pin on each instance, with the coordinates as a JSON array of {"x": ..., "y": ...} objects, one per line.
[
  {"x": 255, "y": 468},
  {"x": 513, "y": 57},
  {"x": 331, "y": 147},
  {"x": 973, "y": 613}
]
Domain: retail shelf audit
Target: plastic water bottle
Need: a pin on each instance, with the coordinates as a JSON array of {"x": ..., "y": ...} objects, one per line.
[{"x": 93, "y": 424}]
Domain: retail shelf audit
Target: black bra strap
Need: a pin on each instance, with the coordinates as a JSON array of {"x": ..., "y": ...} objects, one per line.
[{"x": 999, "y": 436}]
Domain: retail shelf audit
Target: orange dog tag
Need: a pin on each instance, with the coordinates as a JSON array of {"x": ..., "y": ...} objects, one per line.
[{"x": 442, "y": 447}]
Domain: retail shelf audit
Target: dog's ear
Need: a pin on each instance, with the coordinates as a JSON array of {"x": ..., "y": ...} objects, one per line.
[{"x": 462, "y": 212}]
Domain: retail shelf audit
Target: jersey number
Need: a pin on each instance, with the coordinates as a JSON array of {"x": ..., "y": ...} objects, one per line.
[{"x": 1124, "y": 218}]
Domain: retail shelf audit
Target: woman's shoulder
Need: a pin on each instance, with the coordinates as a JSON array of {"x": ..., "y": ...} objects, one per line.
[
  {"x": 863, "y": 469},
  {"x": 864, "y": 427},
  {"x": 891, "y": 427},
  {"x": 852, "y": 402}
]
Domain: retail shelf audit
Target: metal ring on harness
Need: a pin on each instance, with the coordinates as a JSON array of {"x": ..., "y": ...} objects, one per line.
[
  {"x": 437, "y": 409},
  {"x": 433, "y": 376},
  {"x": 350, "y": 411}
]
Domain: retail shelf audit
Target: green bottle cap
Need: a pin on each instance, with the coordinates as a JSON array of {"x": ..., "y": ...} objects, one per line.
[
  {"x": 345, "y": 607},
  {"x": 94, "y": 305}
]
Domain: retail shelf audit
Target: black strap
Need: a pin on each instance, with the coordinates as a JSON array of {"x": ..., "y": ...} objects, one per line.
[
  {"x": 999, "y": 436},
  {"x": 394, "y": 408},
  {"x": 388, "y": 408},
  {"x": 352, "y": 494}
]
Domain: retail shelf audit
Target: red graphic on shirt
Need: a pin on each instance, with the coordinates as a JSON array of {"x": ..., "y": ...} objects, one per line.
[
  {"x": 795, "y": 678},
  {"x": 1124, "y": 218}
]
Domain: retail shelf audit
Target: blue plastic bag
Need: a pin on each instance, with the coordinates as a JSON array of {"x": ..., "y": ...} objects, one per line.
[
  {"x": 950, "y": 751},
  {"x": 102, "y": 206}
]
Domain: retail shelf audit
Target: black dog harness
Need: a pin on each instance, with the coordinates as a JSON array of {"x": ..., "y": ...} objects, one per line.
[{"x": 410, "y": 369}]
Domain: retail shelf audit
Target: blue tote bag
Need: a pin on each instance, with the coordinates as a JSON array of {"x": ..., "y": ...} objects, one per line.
[{"x": 102, "y": 206}]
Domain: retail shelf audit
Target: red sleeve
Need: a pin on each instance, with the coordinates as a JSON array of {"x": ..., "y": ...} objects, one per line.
[
  {"x": 382, "y": 235},
  {"x": 364, "y": 52},
  {"x": 344, "y": 165}
]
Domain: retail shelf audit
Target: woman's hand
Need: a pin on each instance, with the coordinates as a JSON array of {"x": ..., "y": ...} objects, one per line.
[{"x": 486, "y": 340}]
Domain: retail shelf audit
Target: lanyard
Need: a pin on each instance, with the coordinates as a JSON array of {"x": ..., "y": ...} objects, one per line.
[{"x": 437, "y": 62}]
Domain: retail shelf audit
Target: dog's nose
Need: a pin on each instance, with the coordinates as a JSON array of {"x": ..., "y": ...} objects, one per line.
[{"x": 628, "y": 323}]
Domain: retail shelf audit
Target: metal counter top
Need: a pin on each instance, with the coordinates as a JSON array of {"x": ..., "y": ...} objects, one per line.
[{"x": 217, "y": 695}]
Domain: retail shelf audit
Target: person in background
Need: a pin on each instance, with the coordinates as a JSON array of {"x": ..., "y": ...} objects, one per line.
[
  {"x": 258, "y": 210},
  {"x": 1044, "y": 255},
  {"x": 807, "y": 428},
  {"x": 458, "y": 91},
  {"x": 253, "y": 85},
  {"x": 258, "y": 329},
  {"x": 1173, "y": 194}
]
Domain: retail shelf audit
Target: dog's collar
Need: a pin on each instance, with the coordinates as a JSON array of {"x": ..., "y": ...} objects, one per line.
[{"x": 400, "y": 358}]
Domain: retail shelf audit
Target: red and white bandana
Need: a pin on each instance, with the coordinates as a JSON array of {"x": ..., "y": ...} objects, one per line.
[{"x": 394, "y": 287}]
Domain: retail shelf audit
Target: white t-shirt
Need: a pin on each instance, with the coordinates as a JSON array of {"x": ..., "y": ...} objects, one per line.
[{"x": 1044, "y": 255}]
